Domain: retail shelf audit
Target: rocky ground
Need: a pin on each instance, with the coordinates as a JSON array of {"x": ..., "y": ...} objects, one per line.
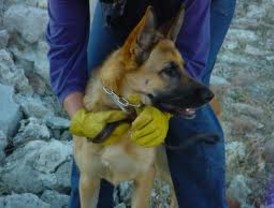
[{"x": 35, "y": 149}]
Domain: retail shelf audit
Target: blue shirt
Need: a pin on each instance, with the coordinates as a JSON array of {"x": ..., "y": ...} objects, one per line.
[{"x": 68, "y": 32}]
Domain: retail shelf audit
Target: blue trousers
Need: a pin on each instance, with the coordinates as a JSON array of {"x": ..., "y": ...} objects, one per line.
[{"x": 198, "y": 172}]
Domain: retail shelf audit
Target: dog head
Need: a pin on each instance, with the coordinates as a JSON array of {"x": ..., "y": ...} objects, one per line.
[{"x": 151, "y": 67}]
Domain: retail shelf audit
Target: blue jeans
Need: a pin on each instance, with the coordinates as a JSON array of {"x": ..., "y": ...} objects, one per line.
[{"x": 198, "y": 172}]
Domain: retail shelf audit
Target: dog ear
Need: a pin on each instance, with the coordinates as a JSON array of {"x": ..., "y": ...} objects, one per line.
[
  {"x": 172, "y": 28},
  {"x": 141, "y": 40}
]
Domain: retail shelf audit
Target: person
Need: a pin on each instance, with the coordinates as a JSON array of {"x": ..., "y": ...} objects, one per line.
[{"x": 78, "y": 44}]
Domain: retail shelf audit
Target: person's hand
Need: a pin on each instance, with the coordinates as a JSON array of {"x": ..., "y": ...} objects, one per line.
[
  {"x": 90, "y": 124},
  {"x": 150, "y": 127}
]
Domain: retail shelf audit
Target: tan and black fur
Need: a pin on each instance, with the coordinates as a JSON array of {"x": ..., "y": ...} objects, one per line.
[{"x": 150, "y": 66}]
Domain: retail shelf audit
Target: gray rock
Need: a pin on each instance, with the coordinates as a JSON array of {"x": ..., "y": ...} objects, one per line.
[
  {"x": 56, "y": 134},
  {"x": 55, "y": 122},
  {"x": 242, "y": 35},
  {"x": 256, "y": 112},
  {"x": 255, "y": 11},
  {"x": 31, "y": 129},
  {"x": 7, "y": 65},
  {"x": 38, "y": 84},
  {"x": 269, "y": 45},
  {"x": 29, "y": 22},
  {"x": 10, "y": 112},
  {"x": 160, "y": 194},
  {"x": 268, "y": 152},
  {"x": 33, "y": 58},
  {"x": 65, "y": 136},
  {"x": 244, "y": 125},
  {"x": 262, "y": 90},
  {"x": 239, "y": 189},
  {"x": 12, "y": 75},
  {"x": 270, "y": 58},
  {"x": 52, "y": 156},
  {"x": 230, "y": 45},
  {"x": 26, "y": 200},
  {"x": 55, "y": 199},
  {"x": 63, "y": 175},
  {"x": 234, "y": 57},
  {"x": 121, "y": 205},
  {"x": 125, "y": 190},
  {"x": 34, "y": 3},
  {"x": 32, "y": 168},
  {"x": 18, "y": 173},
  {"x": 4, "y": 38},
  {"x": 227, "y": 128},
  {"x": 41, "y": 62},
  {"x": 54, "y": 105},
  {"x": 235, "y": 154},
  {"x": 255, "y": 51},
  {"x": 33, "y": 107},
  {"x": 3, "y": 144},
  {"x": 218, "y": 81},
  {"x": 270, "y": 16}
]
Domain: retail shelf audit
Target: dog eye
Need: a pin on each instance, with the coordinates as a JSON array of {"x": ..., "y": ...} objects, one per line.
[{"x": 171, "y": 70}]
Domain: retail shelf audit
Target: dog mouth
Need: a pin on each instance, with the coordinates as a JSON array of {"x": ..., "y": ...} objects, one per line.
[
  {"x": 186, "y": 110},
  {"x": 183, "y": 103},
  {"x": 188, "y": 113}
]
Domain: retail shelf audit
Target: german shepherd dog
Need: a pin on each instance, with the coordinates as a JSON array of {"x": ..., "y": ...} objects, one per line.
[{"x": 148, "y": 65}]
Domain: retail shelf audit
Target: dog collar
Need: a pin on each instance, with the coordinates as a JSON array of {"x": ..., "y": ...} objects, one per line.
[{"x": 121, "y": 102}]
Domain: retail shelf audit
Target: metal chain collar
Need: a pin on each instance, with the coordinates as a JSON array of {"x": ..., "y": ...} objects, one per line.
[{"x": 122, "y": 103}]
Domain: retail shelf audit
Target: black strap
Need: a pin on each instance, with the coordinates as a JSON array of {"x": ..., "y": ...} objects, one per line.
[
  {"x": 208, "y": 138},
  {"x": 103, "y": 135},
  {"x": 107, "y": 131}
]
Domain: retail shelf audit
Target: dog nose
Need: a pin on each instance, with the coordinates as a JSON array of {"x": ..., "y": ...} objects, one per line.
[{"x": 204, "y": 94}]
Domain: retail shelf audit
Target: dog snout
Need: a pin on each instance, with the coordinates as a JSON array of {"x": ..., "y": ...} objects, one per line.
[{"x": 203, "y": 93}]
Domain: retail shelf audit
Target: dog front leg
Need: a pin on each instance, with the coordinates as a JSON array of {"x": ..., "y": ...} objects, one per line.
[
  {"x": 89, "y": 191},
  {"x": 143, "y": 188}
]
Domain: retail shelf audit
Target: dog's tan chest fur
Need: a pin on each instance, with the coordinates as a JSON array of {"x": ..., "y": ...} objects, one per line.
[{"x": 116, "y": 163}]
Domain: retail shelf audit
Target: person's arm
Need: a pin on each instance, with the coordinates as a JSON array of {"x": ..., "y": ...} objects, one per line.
[
  {"x": 194, "y": 38},
  {"x": 73, "y": 102},
  {"x": 67, "y": 35}
]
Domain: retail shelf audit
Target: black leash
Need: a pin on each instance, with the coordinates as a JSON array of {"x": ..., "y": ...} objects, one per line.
[
  {"x": 110, "y": 127},
  {"x": 103, "y": 135},
  {"x": 208, "y": 138}
]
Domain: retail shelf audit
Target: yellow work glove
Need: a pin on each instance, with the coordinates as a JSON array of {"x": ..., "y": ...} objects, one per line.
[
  {"x": 150, "y": 127},
  {"x": 90, "y": 124},
  {"x": 116, "y": 134}
]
